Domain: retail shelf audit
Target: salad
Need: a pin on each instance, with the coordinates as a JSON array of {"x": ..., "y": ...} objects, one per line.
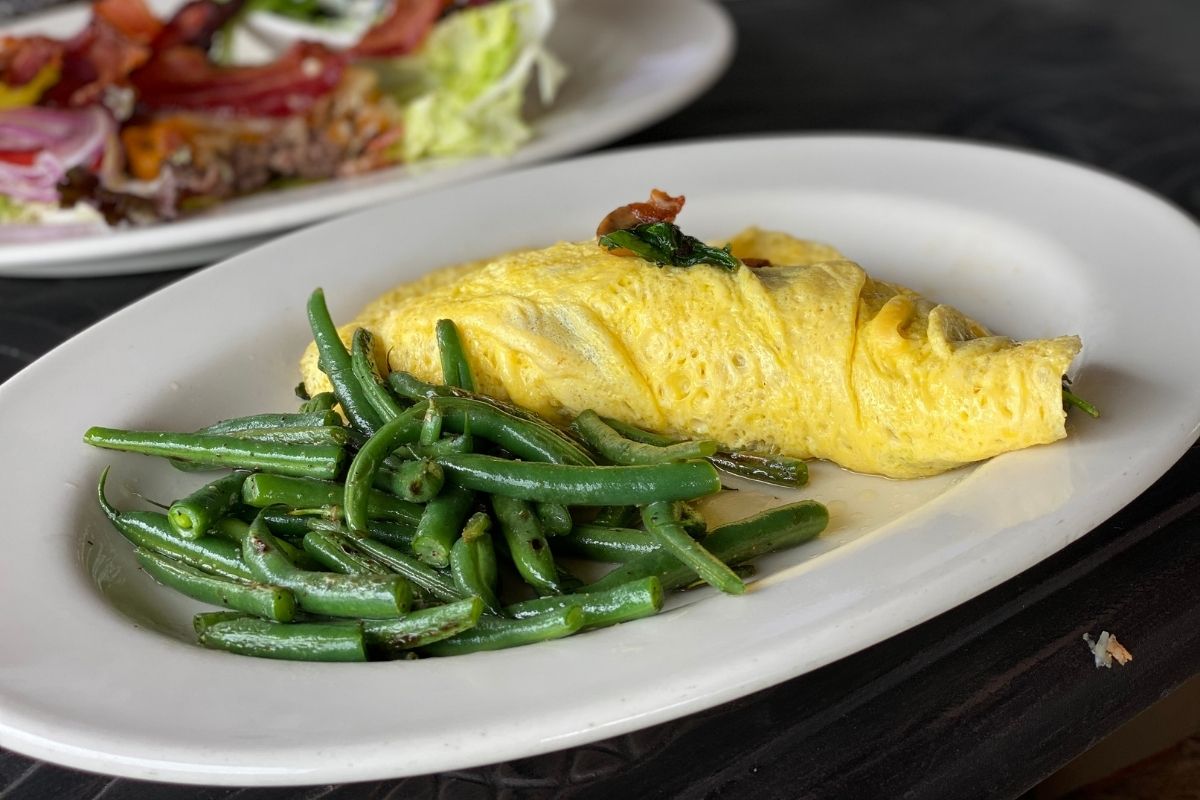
[{"x": 137, "y": 120}]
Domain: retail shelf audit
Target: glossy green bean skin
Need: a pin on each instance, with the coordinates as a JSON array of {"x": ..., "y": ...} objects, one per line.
[
  {"x": 321, "y": 401},
  {"x": 152, "y": 531},
  {"x": 262, "y": 490},
  {"x": 776, "y": 529},
  {"x": 555, "y": 518},
  {"x": 255, "y": 422},
  {"x": 662, "y": 524},
  {"x": 357, "y": 493},
  {"x": 421, "y": 575},
  {"x": 602, "y": 543},
  {"x": 297, "y": 641},
  {"x": 325, "y": 593},
  {"x": 619, "y": 450},
  {"x": 468, "y": 573},
  {"x": 390, "y": 638},
  {"x": 335, "y": 362},
  {"x": 492, "y": 633},
  {"x": 416, "y": 481},
  {"x": 623, "y": 603},
  {"x": 527, "y": 544},
  {"x": 411, "y": 387},
  {"x": 326, "y": 435},
  {"x": 336, "y": 555},
  {"x": 616, "y": 516},
  {"x": 778, "y": 470},
  {"x": 223, "y": 451},
  {"x": 582, "y": 486},
  {"x": 193, "y": 515},
  {"x": 259, "y": 599},
  {"x": 526, "y": 440},
  {"x": 366, "y": 372},
  {"x": 393, "y": 534},
  {"x": 456, "y": 370},
  {"x": 441, "y": 524}
]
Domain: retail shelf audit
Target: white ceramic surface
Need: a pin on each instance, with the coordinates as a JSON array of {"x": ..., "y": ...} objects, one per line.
[
  {"x": 98, "y": 671},
  {"x": 631, "y": 63}
]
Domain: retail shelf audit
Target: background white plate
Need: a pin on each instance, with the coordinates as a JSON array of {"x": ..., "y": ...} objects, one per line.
[
  {"x": 98, "y": 671},
  {"x": 631, "y": 64}
]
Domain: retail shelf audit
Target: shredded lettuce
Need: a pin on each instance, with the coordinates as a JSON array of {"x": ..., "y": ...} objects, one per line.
[
  {"x": 472, "y": 72},
  {"x": 13, "y": 211}
]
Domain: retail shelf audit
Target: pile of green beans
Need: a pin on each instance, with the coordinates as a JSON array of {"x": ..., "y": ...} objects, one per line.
[{"x": 429, "y": 520}]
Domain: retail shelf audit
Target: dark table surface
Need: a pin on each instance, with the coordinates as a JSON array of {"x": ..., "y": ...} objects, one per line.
[{"x": 990, "y": 697}]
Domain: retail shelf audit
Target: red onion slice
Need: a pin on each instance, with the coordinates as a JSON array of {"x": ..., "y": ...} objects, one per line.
[{"x": 62, "y": 139}]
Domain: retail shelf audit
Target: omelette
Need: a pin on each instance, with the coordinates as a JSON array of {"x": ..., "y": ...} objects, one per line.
[{"x": 806, "y": 356}]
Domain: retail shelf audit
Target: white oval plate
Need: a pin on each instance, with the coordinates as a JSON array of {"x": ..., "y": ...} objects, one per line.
[
  {"x": 631, "y": 64},
  {"x": 98, "y": 670}
]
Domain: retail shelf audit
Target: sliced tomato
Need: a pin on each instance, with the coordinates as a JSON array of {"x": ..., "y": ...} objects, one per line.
[{"x": 20, "y": 158}]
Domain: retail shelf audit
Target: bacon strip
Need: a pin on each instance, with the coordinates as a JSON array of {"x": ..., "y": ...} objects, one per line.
[
  {"x": 22, "y": 58},
  {"x": 401, "y": 32},
  {"x": 182, "y": 78},
  {"x": 661, "y": 207}
]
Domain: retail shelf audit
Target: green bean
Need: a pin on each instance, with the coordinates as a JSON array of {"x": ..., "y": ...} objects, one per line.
[
  {"x": 477, "y": 525},
  {"x": 421, "y": 575},
  {"x": 616, "y": 516},
  {"x": 316, "y": 418},
  {"x": 690, "y": 519},
  {"x": 391, "y": 637},
  {"x": 628, "y": 601},
  {"x": 328, "y": 435},
  {"x": 152, "y": 531},
  {"x": 776, "y": 529},
  {"x": 393, "y": 534},
  {"x": 659, "y": 518},
  {"x": 431, "y": 425},
  {"x": 619, "y": 450},
  {"x": 456, "y": 370},
  {"x": 205, "y": 620},
  {"x": 496, "y": 634},
  {"x": 468, "y": 573},
  {"x": 259, "y": 599},
  {"x": 195, "y": 514},
  {"x": 336, "y": 554},
  {"x": 601, "y": 543},
  {"x": 366, "y": 372},
  {"x": 582, "y": 486},
  {"x": 415, "y": 481},
  {"x": 223, "y": 451},
  {"x": 262, "y": 490},
  {"x": 235, "y": 530},
  {"x": 526, "y": 440},
  {"x": 527, "y": 544},
  {"x": 555, "y": 518},
  {"x": 325, "y": 593},
  {"x": 321, "y": 401},
  {"x": 779, "y": 470},
  {"x": 441, "y": 524},
  {"x": 298, "y": 641},
  {"x": 335, "y": 362},
  {"x": 411, "y": 387},
  {"x": 284, "y": 525},
  {"x": 357, "y": 493}
]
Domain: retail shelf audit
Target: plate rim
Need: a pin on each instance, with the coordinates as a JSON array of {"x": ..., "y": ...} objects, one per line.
[{"x": 583, "y": 737}]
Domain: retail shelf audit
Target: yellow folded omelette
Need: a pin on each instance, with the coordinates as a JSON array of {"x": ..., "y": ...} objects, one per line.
[{"x": 809, "y": 357}]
